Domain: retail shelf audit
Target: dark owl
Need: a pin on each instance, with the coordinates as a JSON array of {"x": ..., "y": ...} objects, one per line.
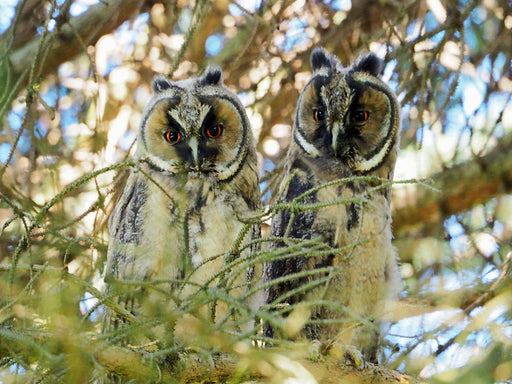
[{"x": 340, "y": 160}]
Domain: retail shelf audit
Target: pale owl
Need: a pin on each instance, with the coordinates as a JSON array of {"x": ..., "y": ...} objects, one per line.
[{"x": 183, "y": 218}]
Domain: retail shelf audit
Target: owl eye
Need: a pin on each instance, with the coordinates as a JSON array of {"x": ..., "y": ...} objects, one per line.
[
  {"x": 318, "y": 114},
  {"x": 214, "y": 131},
  {"x": 172, "y": 137},
  {"x": 359, "y": 117}
]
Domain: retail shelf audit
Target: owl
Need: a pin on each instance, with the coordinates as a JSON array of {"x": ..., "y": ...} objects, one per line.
[
  {"x": 337, "y": 176},
  {"x": 184, "y": 214}
]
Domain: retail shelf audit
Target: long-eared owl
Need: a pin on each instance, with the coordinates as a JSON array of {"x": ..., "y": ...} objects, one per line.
[
  {"x": 182, "y": 216},
  {"x": 337, "y": 176}
]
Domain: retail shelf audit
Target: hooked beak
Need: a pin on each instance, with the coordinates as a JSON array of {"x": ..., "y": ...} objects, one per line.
[
  {"x": 335, "y": 133},
  {"x": 192, "y": 143}
]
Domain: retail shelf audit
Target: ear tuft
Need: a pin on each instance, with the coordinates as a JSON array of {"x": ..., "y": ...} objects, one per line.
[
  {"x": 320, "y": 58},
  {"x": 212, "y": 76},
  {"x": 160, "y": 84},
  {"x": 370, "y": 63}
]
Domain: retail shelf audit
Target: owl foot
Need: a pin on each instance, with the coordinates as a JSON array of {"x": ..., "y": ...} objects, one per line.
[
  {"x": 195, "y": 362},
  {"x": 349, "y": 353},
  {"x": 315, "y": 350}
]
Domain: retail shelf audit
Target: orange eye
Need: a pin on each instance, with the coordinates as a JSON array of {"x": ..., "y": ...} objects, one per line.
[
  {"x": 172, "y": 136},
  {"x": 214, "y": 131},
  {"x": 318, "y": 114},
  {"x": 360, "y": 116}
]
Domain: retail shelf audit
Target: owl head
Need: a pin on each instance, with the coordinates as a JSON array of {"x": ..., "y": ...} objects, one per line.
[
  {"x": 348, "y": 114},
  {"x": 195, "y": 127}
]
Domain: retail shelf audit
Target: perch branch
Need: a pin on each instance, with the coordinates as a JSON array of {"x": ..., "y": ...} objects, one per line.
[{"x": 421, "y": 211}]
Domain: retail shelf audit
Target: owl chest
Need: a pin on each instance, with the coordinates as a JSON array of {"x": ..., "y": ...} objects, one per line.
[
  {"x": 363, "y": 231},
  {"x": 187, "y": 231}
]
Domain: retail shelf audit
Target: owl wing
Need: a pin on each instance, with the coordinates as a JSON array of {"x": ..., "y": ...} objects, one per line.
[
  {"x": 299, "y": 228},
  {"x": 125, "y": 227},
  {"x": 302, "y": 222}
]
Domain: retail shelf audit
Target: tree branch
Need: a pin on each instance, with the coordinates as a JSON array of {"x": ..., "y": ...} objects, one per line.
[
  {"x": 420, "y": 211},
  {"x": 330, "y": 371},
  {"x": 99, "y": 20}
]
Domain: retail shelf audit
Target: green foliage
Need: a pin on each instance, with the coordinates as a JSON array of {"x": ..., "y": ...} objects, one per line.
[{"x": 70, "y": 102}]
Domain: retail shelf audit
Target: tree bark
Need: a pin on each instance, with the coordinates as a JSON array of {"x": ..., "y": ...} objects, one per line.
[
  {"x": 131, "y": 365},
  {"x": 330, "y": 371}
]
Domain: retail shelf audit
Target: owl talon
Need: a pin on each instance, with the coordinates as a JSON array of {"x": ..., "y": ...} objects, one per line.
[
  {"x": 349, "y": 353},
  {"x": 315, "y": 349},
  {"x": 193, "y": 361},
  {"x": 353, "y": 355}
]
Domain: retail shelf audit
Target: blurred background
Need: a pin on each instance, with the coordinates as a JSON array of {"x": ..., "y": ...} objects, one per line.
[{"x": 75, "y": 76}]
